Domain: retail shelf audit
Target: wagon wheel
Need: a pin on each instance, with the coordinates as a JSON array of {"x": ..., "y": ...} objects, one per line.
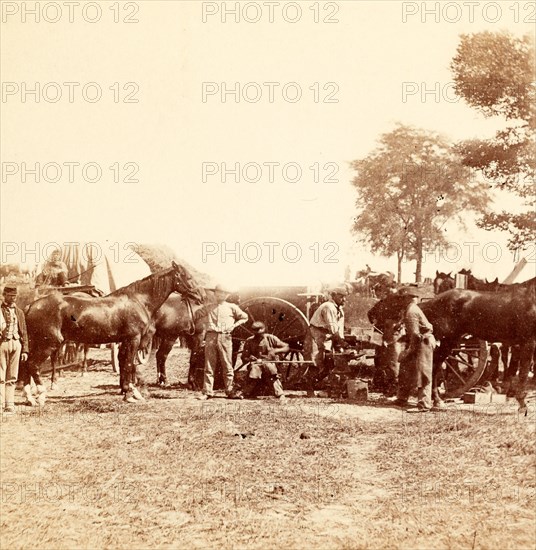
[
  {"x": 288, "y": 323},
  {"x": 465, "y": 366}
]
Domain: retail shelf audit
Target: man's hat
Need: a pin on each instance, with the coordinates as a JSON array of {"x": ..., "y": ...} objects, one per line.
[
  {"x": 258, "y": 326},
  {"x": 340, "y": 290},
  {"x": 410, "y": 291},
  {"x": 12, "y": 290},
  {"x": 221, "y": 288}
]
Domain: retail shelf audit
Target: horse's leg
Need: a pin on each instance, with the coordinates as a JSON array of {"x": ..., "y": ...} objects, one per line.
[
  {"x": 512, "y": 369},
  {"x": 161, "y": 356},
  {"x": 81, "y": 350},
  {"x": 123, "y": 379},
  {"x": 525, "y": 361},
  {"x": 38, "y": 356},
  {"x": 54, "y": 360},
  {"x": 127, "y": 354}
]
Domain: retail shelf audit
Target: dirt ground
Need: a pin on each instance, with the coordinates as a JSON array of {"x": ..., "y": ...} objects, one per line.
[{"x": 90, "y": 471}]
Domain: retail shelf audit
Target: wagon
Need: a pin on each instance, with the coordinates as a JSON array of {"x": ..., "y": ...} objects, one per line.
[{"x": 286, "y": 312}]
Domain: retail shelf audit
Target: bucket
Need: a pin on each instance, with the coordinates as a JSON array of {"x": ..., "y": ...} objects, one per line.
[{"x": 357, "y": 390}]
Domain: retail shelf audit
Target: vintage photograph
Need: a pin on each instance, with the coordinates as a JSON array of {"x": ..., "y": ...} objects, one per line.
[{"x": 267, "y": 275}]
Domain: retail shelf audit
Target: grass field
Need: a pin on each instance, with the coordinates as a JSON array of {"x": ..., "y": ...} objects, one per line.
[{"x": 90, "y": 471}]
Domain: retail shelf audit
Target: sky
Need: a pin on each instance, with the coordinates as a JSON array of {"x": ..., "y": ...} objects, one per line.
[{"x": 150, "y": 160}]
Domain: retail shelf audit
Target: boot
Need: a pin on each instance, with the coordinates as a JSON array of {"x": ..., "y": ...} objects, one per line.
[
  {"x": 30, "y": 399},
  {"x": 10, "y": 396},
  {"x": 41, "y": 395},
  {"x": 136, "y": 393}
]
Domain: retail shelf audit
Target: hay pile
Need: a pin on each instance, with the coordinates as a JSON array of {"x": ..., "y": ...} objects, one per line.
[{"x": 160, "y": 257}]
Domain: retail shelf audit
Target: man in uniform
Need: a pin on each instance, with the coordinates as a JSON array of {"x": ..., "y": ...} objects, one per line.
[
  {"x": 222, "y": 318},
  {"x": 327, "y": 330},
  {"x": 13, "y": 348},
  {"x": 54, "y": 272},
  {"x": 259, "y": 350},
  {"x": 416, "y": 362}
]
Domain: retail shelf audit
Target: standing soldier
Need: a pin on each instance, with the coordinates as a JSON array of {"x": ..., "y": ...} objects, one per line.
[
  {"x": 13, "y": 348},
  {"x": 327, "y": 330},
  {"x": 416, "y": 362},
  {"x": 222, "y": 319}
]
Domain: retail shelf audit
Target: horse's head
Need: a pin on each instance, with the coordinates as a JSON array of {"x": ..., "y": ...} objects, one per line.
[
  {"x": 443, "y": 282},
  {"x": 185, "y": 284}
]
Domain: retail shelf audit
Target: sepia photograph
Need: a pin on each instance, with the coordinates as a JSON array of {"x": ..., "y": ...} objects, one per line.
[{"x": 268, "y": 275}]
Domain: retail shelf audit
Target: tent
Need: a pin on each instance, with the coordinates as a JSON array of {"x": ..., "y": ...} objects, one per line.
[{"x": 102, "y": 265}]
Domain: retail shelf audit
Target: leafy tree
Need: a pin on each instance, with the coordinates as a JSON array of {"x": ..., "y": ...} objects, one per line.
[
  {"x": 408, "y": 187},
  {"x": 495, "y": 74}
]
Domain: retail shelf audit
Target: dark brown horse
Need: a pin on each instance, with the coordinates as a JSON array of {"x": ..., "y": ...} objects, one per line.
[
  {"x": 173, "y": 320},
  {"x": 124, "y": 316},
  {"x": 443, "y": 282},
  {"x": 507, "y": 316},
  {"x": 473, "y": 283}
]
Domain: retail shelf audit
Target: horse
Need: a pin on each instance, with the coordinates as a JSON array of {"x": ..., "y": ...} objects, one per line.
[
  {"x": 507, "y": 316},
  {"x": 377, "y": 285},
  {"x": 175, "y": 319},
  {"x": 124, "y": 316},
  {"x": 473, "y": 283},
  {"x": 443, "y": 282}
]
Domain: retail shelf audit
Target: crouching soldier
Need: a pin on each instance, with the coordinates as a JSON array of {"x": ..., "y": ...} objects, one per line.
[{"x": 260, "y": 350}]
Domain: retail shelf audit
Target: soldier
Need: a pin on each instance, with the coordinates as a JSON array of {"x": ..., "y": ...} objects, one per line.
[
  {"x": 222, "y": 319},
  {"x": 416, "y": 362},
  {"x": 327, "y": 330},
  {"x": 260, "y": 349},
  {"x": 54, "y": 272},
  {"x": 13, "y": 348}
]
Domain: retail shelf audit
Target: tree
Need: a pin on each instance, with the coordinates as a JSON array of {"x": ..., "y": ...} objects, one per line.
[
  {"x": 408, "y": 187},
  {"x": 495, "y": 74}
]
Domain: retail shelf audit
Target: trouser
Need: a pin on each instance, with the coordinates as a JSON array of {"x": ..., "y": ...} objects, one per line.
[
  {"x": 386, "y": 369},
  {"x": 416, "y": 371},
  {"x": 9, "y": 369},
  {"x": 258, "y": 374},
  {"x": 218, "y": 350},
  {"x": 321, "y": 345}
]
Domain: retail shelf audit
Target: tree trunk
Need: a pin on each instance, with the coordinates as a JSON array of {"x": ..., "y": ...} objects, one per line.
[
  {"x": 418, "y": 253},
  {"x": 399, "y": 257}
]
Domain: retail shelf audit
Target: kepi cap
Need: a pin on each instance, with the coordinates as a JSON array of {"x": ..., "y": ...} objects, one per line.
[
  {"x": 258, "y": 326},
  {"x": 340, "y": 290},
  {"x": 12, "y": 290}
]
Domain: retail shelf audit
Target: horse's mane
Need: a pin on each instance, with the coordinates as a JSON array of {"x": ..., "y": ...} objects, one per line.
[{"x": 154, "y": 283}]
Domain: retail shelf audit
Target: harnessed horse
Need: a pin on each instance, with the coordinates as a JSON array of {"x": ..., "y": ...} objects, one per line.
[{"x": 124, "y": 316}]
